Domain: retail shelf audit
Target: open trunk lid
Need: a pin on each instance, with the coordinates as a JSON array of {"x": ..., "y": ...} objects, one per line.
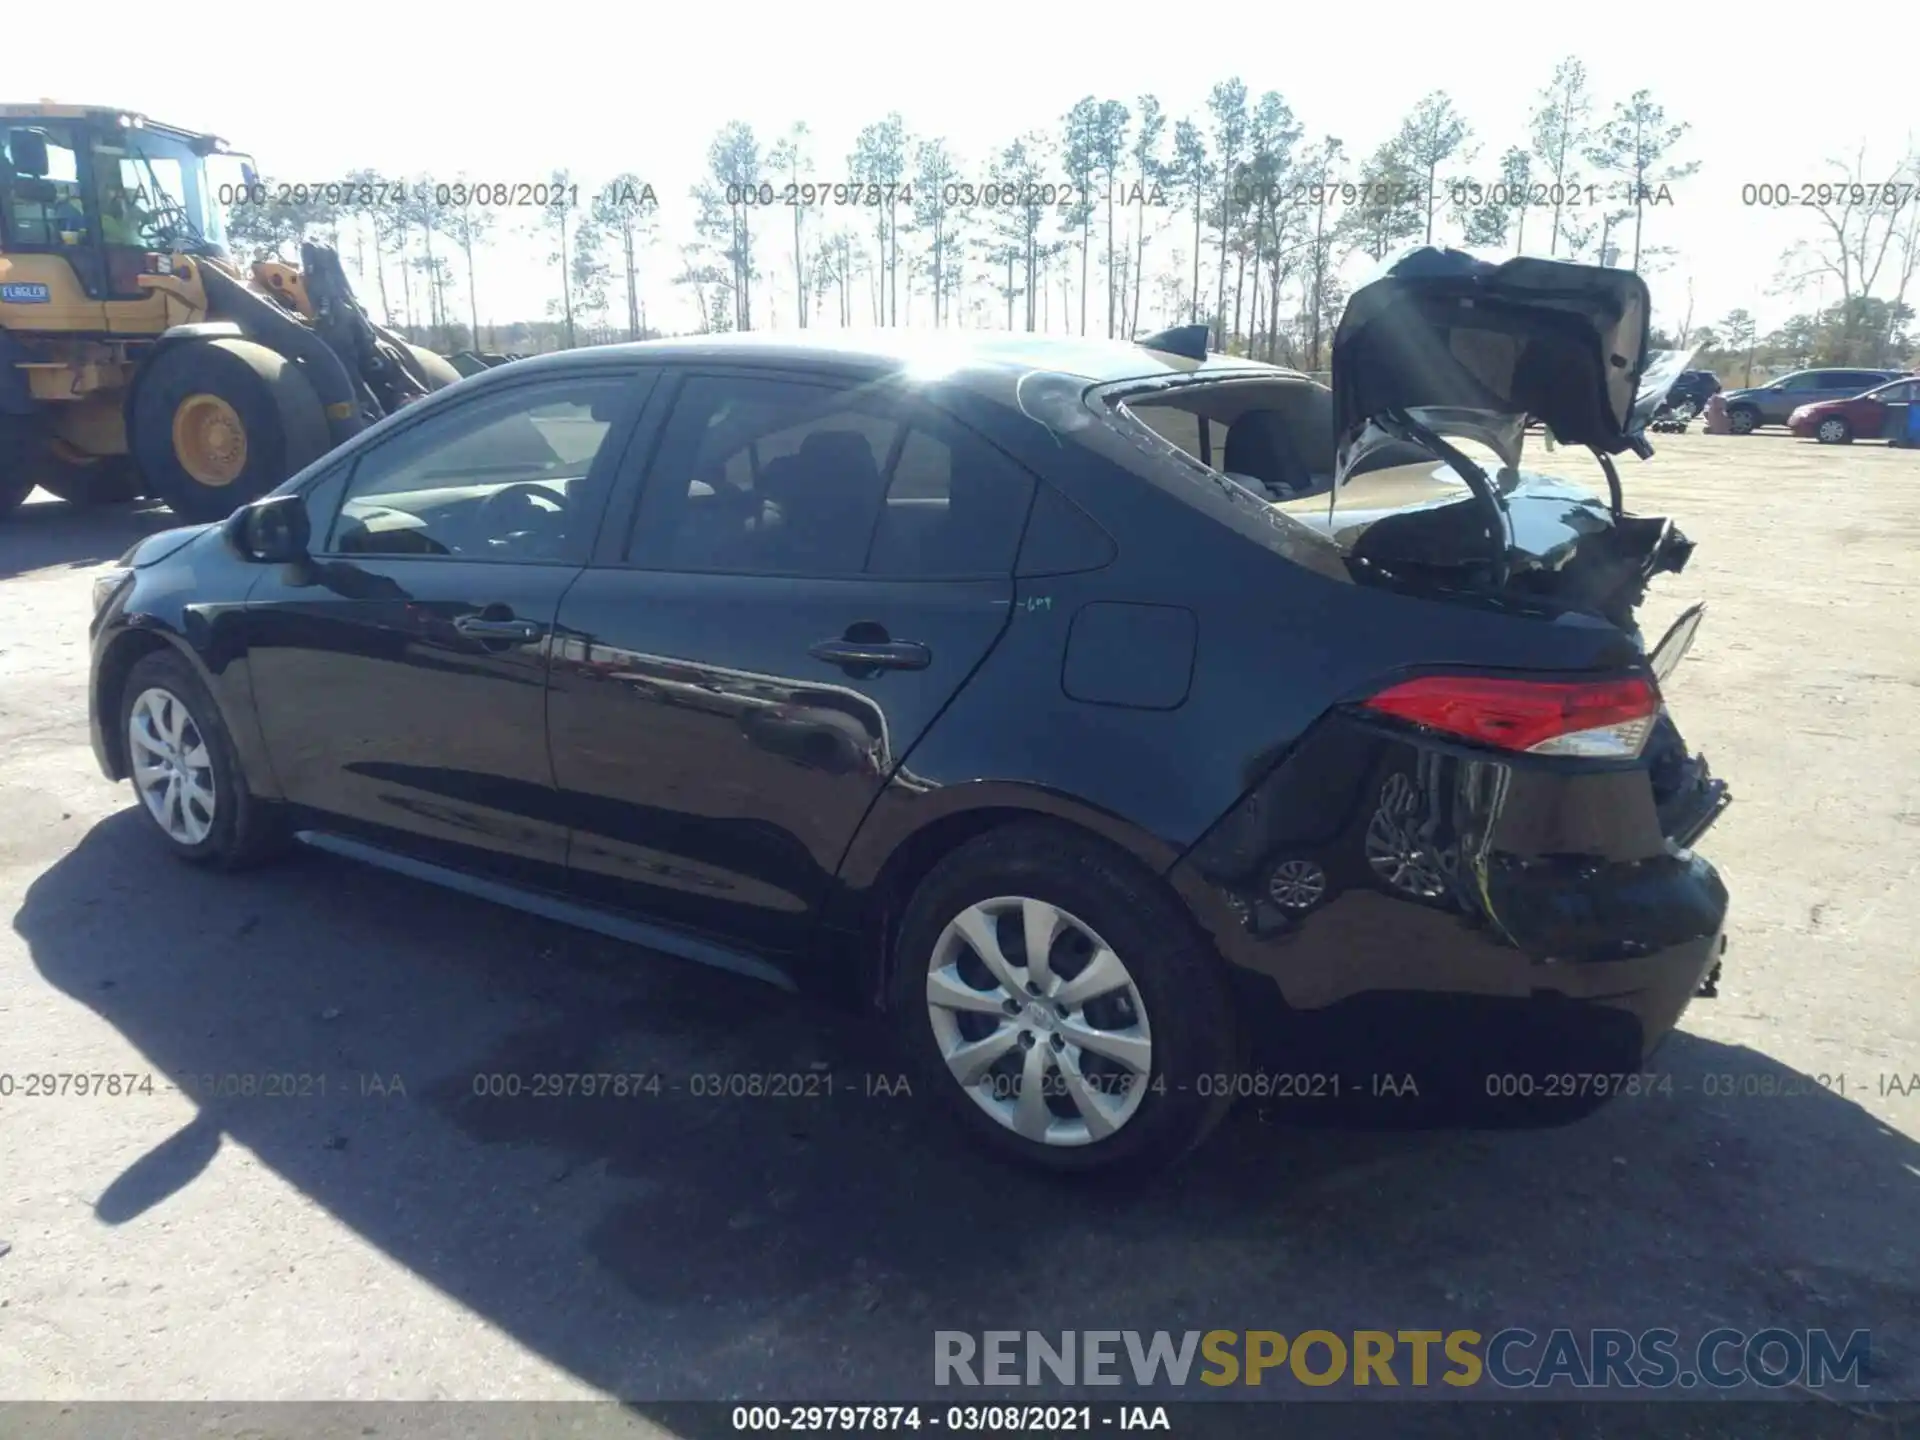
[
  {"x": 1439, "y": 328},
  {"x": 1440, "y": 363}
]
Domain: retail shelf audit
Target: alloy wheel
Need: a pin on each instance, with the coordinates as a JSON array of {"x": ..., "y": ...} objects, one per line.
[
  {"x": 172, "y": 766},
  {"x": 1832, "y": 432},
  {"x": 1039, "y": 1021},
  {"x": 1397, "y": 850},
  {"x": 1742, "y": 422},
  {"x": 1297, "y": 885}
]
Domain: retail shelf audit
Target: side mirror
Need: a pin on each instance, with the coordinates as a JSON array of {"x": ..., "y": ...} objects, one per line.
[{"x": 273, "y": 531}]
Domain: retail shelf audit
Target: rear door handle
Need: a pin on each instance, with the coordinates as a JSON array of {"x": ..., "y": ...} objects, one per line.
[
  {"x": 478, "y": 628},
  {"x": 873, "y": 654}
]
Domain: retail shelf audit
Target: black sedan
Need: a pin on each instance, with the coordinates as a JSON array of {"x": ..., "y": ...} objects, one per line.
[{"x": 1033, "y": 694}]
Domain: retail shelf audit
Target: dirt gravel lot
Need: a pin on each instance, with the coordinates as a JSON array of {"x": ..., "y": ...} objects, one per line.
[{"x": 407, "y": 1240}]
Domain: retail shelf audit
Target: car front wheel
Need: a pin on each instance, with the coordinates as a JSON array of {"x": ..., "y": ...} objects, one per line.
[
  {"x": 185, "y": 770},
  {"x": 1742, "y": 420},
  {"x": 1833, "y": 431},
  {"x": 1061, "y": 1006}
]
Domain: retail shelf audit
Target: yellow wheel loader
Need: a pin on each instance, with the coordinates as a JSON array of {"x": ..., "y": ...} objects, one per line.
[{"x": 136, "y": 358}]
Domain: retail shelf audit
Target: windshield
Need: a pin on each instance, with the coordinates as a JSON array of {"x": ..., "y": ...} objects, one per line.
[{"x": 154, "y": 192}]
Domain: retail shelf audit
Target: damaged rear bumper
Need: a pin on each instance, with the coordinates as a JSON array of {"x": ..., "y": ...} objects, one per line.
[{"x": 1452, "y": 873}]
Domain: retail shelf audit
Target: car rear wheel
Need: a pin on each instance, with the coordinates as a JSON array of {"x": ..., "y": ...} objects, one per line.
[
  {"x": 1060, "y": 1005},
  {"x": 1743, "y": 419},
  {"x": 185, "y": 770},
  {"x": 1834, "y": 430}
]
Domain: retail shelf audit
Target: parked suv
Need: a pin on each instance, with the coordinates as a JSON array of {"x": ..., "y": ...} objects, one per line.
[
  {"x": 922, "y": 671},
  {"x": 1772, "y": 404},
  {"x": 1695, "y": 388}
]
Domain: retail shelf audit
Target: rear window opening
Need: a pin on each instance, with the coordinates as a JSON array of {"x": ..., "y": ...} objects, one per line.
[
  {"x": 1273, "y": 436},
  {"x": 1405, "y": 516}
]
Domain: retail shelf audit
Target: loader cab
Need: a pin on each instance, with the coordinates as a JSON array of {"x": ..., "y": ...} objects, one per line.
[{"x": 105, "y": 191}]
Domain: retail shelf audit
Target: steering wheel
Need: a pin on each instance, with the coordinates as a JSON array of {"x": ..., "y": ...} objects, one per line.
[{"x": 514, "y": 513}]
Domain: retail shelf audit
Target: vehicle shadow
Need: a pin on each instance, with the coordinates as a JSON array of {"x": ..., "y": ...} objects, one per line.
[
  {"x": 699, "y": 1233},
  {"x": 46, "y": 532}
]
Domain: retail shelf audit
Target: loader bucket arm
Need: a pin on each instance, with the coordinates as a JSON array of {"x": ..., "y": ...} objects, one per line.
[{"x": 387, "y": 375}]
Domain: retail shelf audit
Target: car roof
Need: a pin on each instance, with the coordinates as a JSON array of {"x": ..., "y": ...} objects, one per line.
[{"x": 933, "y": 352}]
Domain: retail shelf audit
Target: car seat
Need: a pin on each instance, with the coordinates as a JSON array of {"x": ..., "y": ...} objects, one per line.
[{"x": 1260, "y": 445}]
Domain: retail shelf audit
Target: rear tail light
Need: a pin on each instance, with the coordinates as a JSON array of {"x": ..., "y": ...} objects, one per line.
[{"x": 1599, "y": 719}]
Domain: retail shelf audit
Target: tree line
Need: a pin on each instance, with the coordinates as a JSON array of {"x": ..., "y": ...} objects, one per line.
[{"x": 1118, "y": 218}]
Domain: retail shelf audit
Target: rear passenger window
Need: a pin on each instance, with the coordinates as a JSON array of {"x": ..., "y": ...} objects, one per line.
[
  {"x": 955, "y": 507},
  {"x": 1062, "y": 539},
  {"x": 787, "y": 477}
]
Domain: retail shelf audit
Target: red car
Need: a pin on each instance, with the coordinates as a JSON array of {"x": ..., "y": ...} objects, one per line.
[{"x": 1839, "y": 422}]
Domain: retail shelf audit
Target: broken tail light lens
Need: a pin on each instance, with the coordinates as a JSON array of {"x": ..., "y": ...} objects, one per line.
[{"x": 1594, "y": 719}]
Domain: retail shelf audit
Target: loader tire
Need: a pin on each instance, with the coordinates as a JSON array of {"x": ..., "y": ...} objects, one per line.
[
  {"x": 107, "y": 480},
  {"x": 30, "y": 456},
  {"x": 19, "y": 462},
  {"x": 435, "y": 371},
  {"x": 217, "y": 423}
]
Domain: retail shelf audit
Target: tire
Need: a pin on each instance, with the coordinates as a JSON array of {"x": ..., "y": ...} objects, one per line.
[
  {"x": 1173, "y": 989},
  {"x": 236, "y": 829},
  {"x": 1834, "y": 430},
  {"x": 278, "y": 418},
  {"x": 14, "y": 489},
  {"x": 1743, "y": 419},
  {"x": 435, "y": 370},
  {"x": 109, "y": 480}
]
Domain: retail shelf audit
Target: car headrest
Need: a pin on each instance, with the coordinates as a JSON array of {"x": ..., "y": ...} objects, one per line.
[
  {"x": 780, "y": 478},
  {"x": 843, "y": 450}
]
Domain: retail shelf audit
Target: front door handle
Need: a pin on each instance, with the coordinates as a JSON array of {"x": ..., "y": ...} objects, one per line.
[
  {"x": 873, "y": 654},
  {"x": 477, "y": 627}
]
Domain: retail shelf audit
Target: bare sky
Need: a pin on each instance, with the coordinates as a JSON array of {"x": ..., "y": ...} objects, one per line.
[{"x": 511, "y": 93}]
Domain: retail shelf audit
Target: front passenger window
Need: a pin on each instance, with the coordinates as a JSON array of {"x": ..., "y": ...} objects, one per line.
[{"x": 509, "y": 475}]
